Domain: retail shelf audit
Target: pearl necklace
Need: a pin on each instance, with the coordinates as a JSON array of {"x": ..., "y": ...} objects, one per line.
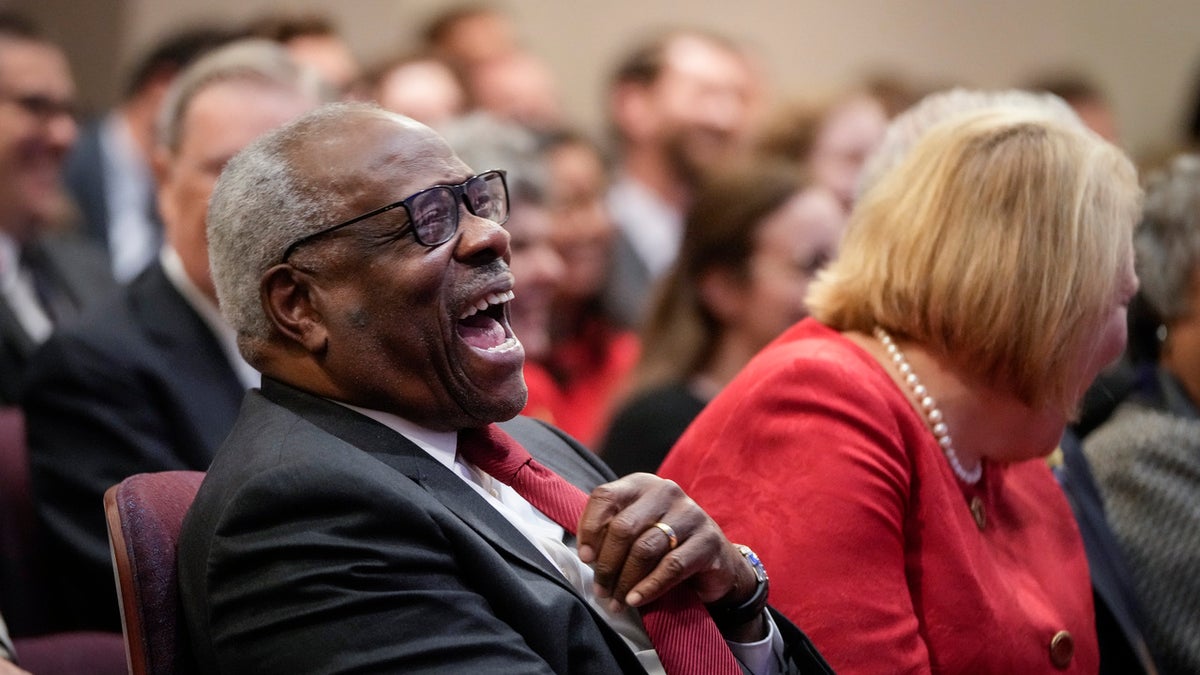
[{"x": 933, "y": 414}]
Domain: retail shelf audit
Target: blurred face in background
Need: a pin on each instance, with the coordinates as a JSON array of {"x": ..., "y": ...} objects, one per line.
[
  {"x": 330, "y": 56},
  {"x": 517, "y": 87},
  {"x": 425, "y": 90},
  {"x": 477, "y": 37},
  {"x": 848, "y": 135},
  {"x": 220, "y": 120},
  {"x": 1098, "y": 116},
  {"x": 36, "y": 131},
  {"x": 793, "y": 243},
  {"x": 582, "y": 231},
  {"x": 705, "y": 99},
  {"x": 537, "y": 270}
]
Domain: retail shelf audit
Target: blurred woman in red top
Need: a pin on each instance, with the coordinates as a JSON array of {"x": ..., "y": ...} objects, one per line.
[{"x": 591, "y": 354}]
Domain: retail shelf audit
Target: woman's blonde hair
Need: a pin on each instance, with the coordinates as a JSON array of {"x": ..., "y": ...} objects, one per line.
[{"x": 996, "y": 244}]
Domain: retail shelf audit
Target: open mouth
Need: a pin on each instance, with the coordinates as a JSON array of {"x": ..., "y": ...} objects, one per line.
[{"x": 484, "y": 325}]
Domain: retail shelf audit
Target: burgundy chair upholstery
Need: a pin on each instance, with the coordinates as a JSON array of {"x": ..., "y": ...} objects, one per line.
[
  {"x": 72, "y": 653},
  {"x": 23, "y": 583},
  {"x": 144, "y": 514}
]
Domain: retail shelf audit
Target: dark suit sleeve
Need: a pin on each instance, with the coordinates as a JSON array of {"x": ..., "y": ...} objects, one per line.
[
  {"x": 356, "y": 578},
  {"x": 91, "y": 424}
]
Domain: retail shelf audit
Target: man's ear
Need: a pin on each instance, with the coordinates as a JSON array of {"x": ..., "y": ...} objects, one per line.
[
  {"x": 160, "y": 163},
  {"x": 287, "y": 297}
]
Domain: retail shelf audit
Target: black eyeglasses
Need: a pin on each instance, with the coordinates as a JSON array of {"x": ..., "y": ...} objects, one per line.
[{"x": 433, "y": 212}]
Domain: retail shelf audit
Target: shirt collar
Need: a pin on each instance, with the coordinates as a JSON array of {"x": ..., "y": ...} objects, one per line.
[
  {"x": 441, "y": 445},
  {"x": 9, "y": 260}
]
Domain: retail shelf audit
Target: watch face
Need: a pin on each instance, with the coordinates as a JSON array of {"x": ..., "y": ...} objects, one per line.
[
  {"x": 758, "y": 566},
  {"x": 760, "y": 572}
]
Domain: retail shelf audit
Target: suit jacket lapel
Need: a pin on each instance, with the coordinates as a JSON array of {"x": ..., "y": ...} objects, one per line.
[
  {"x": 15, "y": 349},
  {"x": 184, "y": 341},
  {"x": 404, "y": 456},
  {"x": 79, "y": 268},
  {"x": 172, "y": 324},
  {"x": 12, "y": 333}
]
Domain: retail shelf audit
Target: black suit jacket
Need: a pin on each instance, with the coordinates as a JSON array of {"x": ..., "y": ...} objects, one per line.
[
  {"x": 79, "y": 273},
  {"x": 323, "y": 542},
  {"x": 629, "y": 285},
  {"x": 139, "y": 384}
]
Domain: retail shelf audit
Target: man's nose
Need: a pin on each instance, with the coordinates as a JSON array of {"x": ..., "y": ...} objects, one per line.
[{"x": 480, "y": 239}]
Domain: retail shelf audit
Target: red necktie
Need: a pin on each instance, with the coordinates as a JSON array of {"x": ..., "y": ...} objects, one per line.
[{"x": 684, "y": 635}]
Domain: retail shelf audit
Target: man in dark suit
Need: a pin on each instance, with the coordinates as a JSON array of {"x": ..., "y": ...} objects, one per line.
[
  {"x": 44, "y": 280},
  {"x": 681, "y": 104},
  {"x": 152, "y": 380},
  {"x": 342, "y": 525},
  {"x": 109, "y": 171}
]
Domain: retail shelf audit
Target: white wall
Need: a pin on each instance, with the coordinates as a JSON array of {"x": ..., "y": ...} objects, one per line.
[{"x": 1143, "y": 53}]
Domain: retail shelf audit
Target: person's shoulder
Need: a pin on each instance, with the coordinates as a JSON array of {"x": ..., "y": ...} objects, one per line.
[
  {"x": 665, "y": 398},
  {"x": 810, "y": 355},
  {"x": 70, "y": 247},
  {"x": 1139, "y": 433},
  {"x": 118, "y": 321},
  {"x": 274, "y": 460},
  {"x": 99, "y": 340},
  {"x": 82, "y": 264}
]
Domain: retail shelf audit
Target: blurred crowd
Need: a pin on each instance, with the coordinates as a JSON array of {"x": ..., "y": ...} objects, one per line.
[{"x": 651, "y": 266}]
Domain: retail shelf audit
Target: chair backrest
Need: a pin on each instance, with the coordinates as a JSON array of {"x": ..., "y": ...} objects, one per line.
[
  {"x": 145, "y": 513},
  {"x": 23, "y": 586}
]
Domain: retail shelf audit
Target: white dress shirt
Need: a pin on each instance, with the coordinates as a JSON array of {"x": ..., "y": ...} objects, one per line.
[
  {"x": 133, "y": 236},
  {"x": 761, "y": 657},
  {"x": 653, "y": 227},
  {"x": 16, "y": 285}
]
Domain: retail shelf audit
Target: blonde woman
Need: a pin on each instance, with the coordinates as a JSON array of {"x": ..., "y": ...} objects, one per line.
[{"x": 885, "y": 456}]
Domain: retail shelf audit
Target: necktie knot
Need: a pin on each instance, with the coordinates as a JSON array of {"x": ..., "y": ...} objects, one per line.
[{"x": 493, "y": 451}]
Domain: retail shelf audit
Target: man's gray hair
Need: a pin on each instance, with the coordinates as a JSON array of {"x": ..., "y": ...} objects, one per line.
[
  {"x": 251, "y": 59},
  {"x": 261, "y": 204},
  {"x": 1168, "y": 240},
  {"x": 910, "y": 126}
]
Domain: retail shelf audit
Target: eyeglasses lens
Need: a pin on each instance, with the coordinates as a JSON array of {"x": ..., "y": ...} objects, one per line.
[
  {"x": 487, "y": 198},
  {"x": 435, "y": 211}
]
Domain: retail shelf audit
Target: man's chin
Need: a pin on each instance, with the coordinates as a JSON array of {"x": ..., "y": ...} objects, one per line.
[{"x": 501, "y": 404}]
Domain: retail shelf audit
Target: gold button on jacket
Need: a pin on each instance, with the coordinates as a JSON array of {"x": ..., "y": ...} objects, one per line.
[{"x": 1062, "y": 649}]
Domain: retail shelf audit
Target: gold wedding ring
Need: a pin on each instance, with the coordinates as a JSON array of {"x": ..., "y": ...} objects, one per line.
[{"x": 672, "y": 540}]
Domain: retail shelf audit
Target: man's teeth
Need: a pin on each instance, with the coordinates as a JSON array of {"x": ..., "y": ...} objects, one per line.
[{"x": 487, "y": 301}]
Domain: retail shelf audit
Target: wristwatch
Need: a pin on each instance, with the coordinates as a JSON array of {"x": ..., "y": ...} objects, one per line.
[{"x": 737, "y": 615}]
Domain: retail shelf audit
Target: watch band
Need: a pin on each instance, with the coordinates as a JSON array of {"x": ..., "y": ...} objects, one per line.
[{"x": 737, "y": 615}]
